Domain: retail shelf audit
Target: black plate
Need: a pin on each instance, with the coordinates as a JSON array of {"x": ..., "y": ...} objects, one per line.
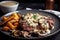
[{"x": 53, "y": 16}]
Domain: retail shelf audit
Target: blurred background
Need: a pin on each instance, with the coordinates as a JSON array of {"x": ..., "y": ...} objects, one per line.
[{"x": 38, "y": 4}]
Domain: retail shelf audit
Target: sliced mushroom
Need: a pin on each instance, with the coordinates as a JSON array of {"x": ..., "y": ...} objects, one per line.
[{"x": 25, "y": 34}]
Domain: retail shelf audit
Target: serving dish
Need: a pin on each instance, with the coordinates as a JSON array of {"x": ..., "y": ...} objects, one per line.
[{"x": 55, "y": 17}]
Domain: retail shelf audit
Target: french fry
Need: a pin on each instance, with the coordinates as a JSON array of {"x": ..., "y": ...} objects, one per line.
[
  {"x": 6, "y": 28},
  {"x": 11, "y": 26},
  {"x": 16, "y": 24},
  {"x": 7, "y": 20},
  {"x": 12, "y": 21},
  {"x": 15, "y": 15},
  {"x": 4, "y": 18}
]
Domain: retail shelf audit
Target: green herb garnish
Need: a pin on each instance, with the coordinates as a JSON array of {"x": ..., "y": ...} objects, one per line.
[{"x": 34, "y": 16}]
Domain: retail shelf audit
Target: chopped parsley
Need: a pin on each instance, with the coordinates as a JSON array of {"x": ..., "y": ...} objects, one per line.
[{"x": 34, "y": 16}]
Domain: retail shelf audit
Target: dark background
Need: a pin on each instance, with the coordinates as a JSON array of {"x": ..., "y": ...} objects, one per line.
[
  {"x": 35, "y": 4},
  {"x": 31, "y": 1}
]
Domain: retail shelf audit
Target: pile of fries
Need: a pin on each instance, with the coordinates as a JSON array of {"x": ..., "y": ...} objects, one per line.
[{"x": 11, "y": 22}]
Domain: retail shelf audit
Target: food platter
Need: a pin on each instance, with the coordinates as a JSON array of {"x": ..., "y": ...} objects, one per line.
[{"x": 53, "y": 16}]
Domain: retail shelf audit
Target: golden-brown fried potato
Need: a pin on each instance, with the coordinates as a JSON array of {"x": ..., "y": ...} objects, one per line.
[
  {"x": 11, "y": 26},
  {"x": 6, "y": 28},
  {"x": 7, "y": 20},
  {"x": 4, "y": 18},
  {"x": 12, "y": 21},
  {"x": 16, "y": 24},
  {"x": 15, "y": 16}
]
